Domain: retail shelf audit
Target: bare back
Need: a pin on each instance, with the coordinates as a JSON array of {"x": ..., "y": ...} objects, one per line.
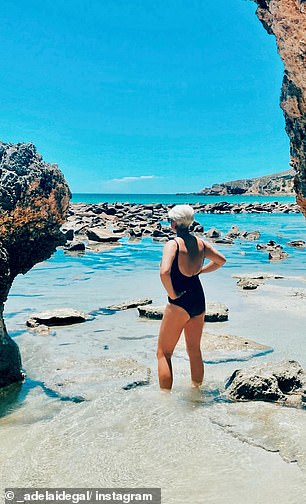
[{"x": 191, "y": 255}]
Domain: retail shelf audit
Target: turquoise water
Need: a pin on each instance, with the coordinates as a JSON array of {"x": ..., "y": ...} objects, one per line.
[
  {"x": 173, "y": 198},
  {"x": 243, "y": 254}
]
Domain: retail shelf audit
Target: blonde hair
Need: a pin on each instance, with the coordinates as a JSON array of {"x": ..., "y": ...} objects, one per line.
[{"x": 183, "y": 215}]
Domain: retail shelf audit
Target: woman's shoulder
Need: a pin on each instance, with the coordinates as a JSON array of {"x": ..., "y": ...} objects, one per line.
[
  {"x": 202, "y": 243},
  {"x": 171, "y": 244}
]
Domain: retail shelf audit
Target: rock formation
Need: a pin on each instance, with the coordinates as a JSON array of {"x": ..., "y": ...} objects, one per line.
[
  {"x": 34, "y": 199},
  {"x": 286, "y": 19},
  {"x": 278, "y": 184},
  {"x": 282, "y": 382}
]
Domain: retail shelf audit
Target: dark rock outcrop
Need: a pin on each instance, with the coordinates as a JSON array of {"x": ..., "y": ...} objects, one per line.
[
  {"x": 277, "y": 382},
  {"x": 130, "y": 304},
  {"x": 286, "y": 19},
  {"x": 34, "y": 199}
]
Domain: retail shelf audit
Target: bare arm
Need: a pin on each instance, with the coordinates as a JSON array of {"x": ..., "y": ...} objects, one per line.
[
  {"x": 216, "y": 259},
  {"x": 165, "y": 268}
]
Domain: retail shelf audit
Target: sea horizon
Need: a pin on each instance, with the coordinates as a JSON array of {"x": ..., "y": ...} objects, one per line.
[{"x": 173, "y": 198}]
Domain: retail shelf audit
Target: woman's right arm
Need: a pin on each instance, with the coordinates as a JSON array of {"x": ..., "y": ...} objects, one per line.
[
  {"x": 216, "y": 259},
  {"x": 165, "y": 267}
]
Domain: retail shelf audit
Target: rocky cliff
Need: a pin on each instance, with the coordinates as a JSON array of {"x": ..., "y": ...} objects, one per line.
[
  {"x": 279, "y": 184},
  {"x": 34, "y": 199},
  {"x": 286, "y": 19}
]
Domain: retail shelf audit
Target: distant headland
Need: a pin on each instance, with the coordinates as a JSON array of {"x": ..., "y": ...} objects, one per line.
[{"x": 277, "y": 184}]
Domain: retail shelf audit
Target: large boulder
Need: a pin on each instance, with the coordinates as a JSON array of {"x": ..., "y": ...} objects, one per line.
[
  {"x": 269, "y": 382},
  {"x": 34, "y": 199}
]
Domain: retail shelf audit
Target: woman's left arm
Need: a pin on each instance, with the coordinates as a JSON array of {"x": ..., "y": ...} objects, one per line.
[{"x": 216, "y": 259}]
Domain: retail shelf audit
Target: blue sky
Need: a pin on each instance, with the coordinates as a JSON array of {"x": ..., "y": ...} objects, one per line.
[{"x": 143, "y": 96}]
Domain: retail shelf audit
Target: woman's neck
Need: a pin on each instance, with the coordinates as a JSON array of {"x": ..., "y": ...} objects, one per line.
[{"x": 182, "y": 232}]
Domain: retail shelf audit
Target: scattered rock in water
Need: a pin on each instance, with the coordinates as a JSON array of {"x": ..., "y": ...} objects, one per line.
[
  {"x": 198, "y": 228},
  {"x": 75, "y": 246},
  {"x": 57, "y": 317},
  {"x": 161, "y": 239},
  {"x": 253, "y": 235},
  {"x": 157, "y": 233},
  {"x": 224, "y": 241},
  {"x": 216, "y": 312},
  {"x": 250, "y": 281},
  {"x": 276, "y": 382},
  {"x": 269, "y": 247},
  {"x": 275, "y": 250},
  {"x": 69, "y": 234},
  {"x": 151, "y": 312},
  {"x": 102, "y": 235},
  {"x": 297, "y": 244},
  {"x": 130, "y": 304},
  {"x": 136, "y": 232},
  {"x": 233, "y": 233},
  {"x": 213, "y": 233},
  {"x": 277, "y": 255},
  {"x": 121, "y": 229},
  {"x": 248, "y": 284},
  {"x": 259, "y": 276},
  {"x": 134, "y": 384}
]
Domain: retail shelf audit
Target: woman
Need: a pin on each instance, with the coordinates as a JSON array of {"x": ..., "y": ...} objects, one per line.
[{"x": 182, "y": 262}]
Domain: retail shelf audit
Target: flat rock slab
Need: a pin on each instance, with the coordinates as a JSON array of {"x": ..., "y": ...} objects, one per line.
[
  {"x": 217, "y": 348},
  {"x": 81, "y": 375},
  {"x": 259, "y": 276},
  {"x": 216, "y": 312},
  {"x": 101, "y": 235},
  {"x": 57, "y": 317},
  {"x": 282, "y": 382},
  {"x": 212, "y": 342},
  {"x": 130, "y": 304}
]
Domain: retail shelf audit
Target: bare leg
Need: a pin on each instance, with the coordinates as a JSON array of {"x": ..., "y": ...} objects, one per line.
[
  {"x": 193, "y": 332},
  {"x": 173, "y": 322}
]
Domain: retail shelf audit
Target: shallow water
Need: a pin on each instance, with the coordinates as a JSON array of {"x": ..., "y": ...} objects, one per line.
[{"x": 72, "y": 424}]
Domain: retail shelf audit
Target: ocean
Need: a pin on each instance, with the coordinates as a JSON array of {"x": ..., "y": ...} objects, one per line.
[
  {"x": 175, "y": 199},
  {"x": 72, "y": 424}
]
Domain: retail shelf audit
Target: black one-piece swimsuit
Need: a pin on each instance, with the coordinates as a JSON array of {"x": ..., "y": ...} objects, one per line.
[{"x": 193, "y": 299}]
